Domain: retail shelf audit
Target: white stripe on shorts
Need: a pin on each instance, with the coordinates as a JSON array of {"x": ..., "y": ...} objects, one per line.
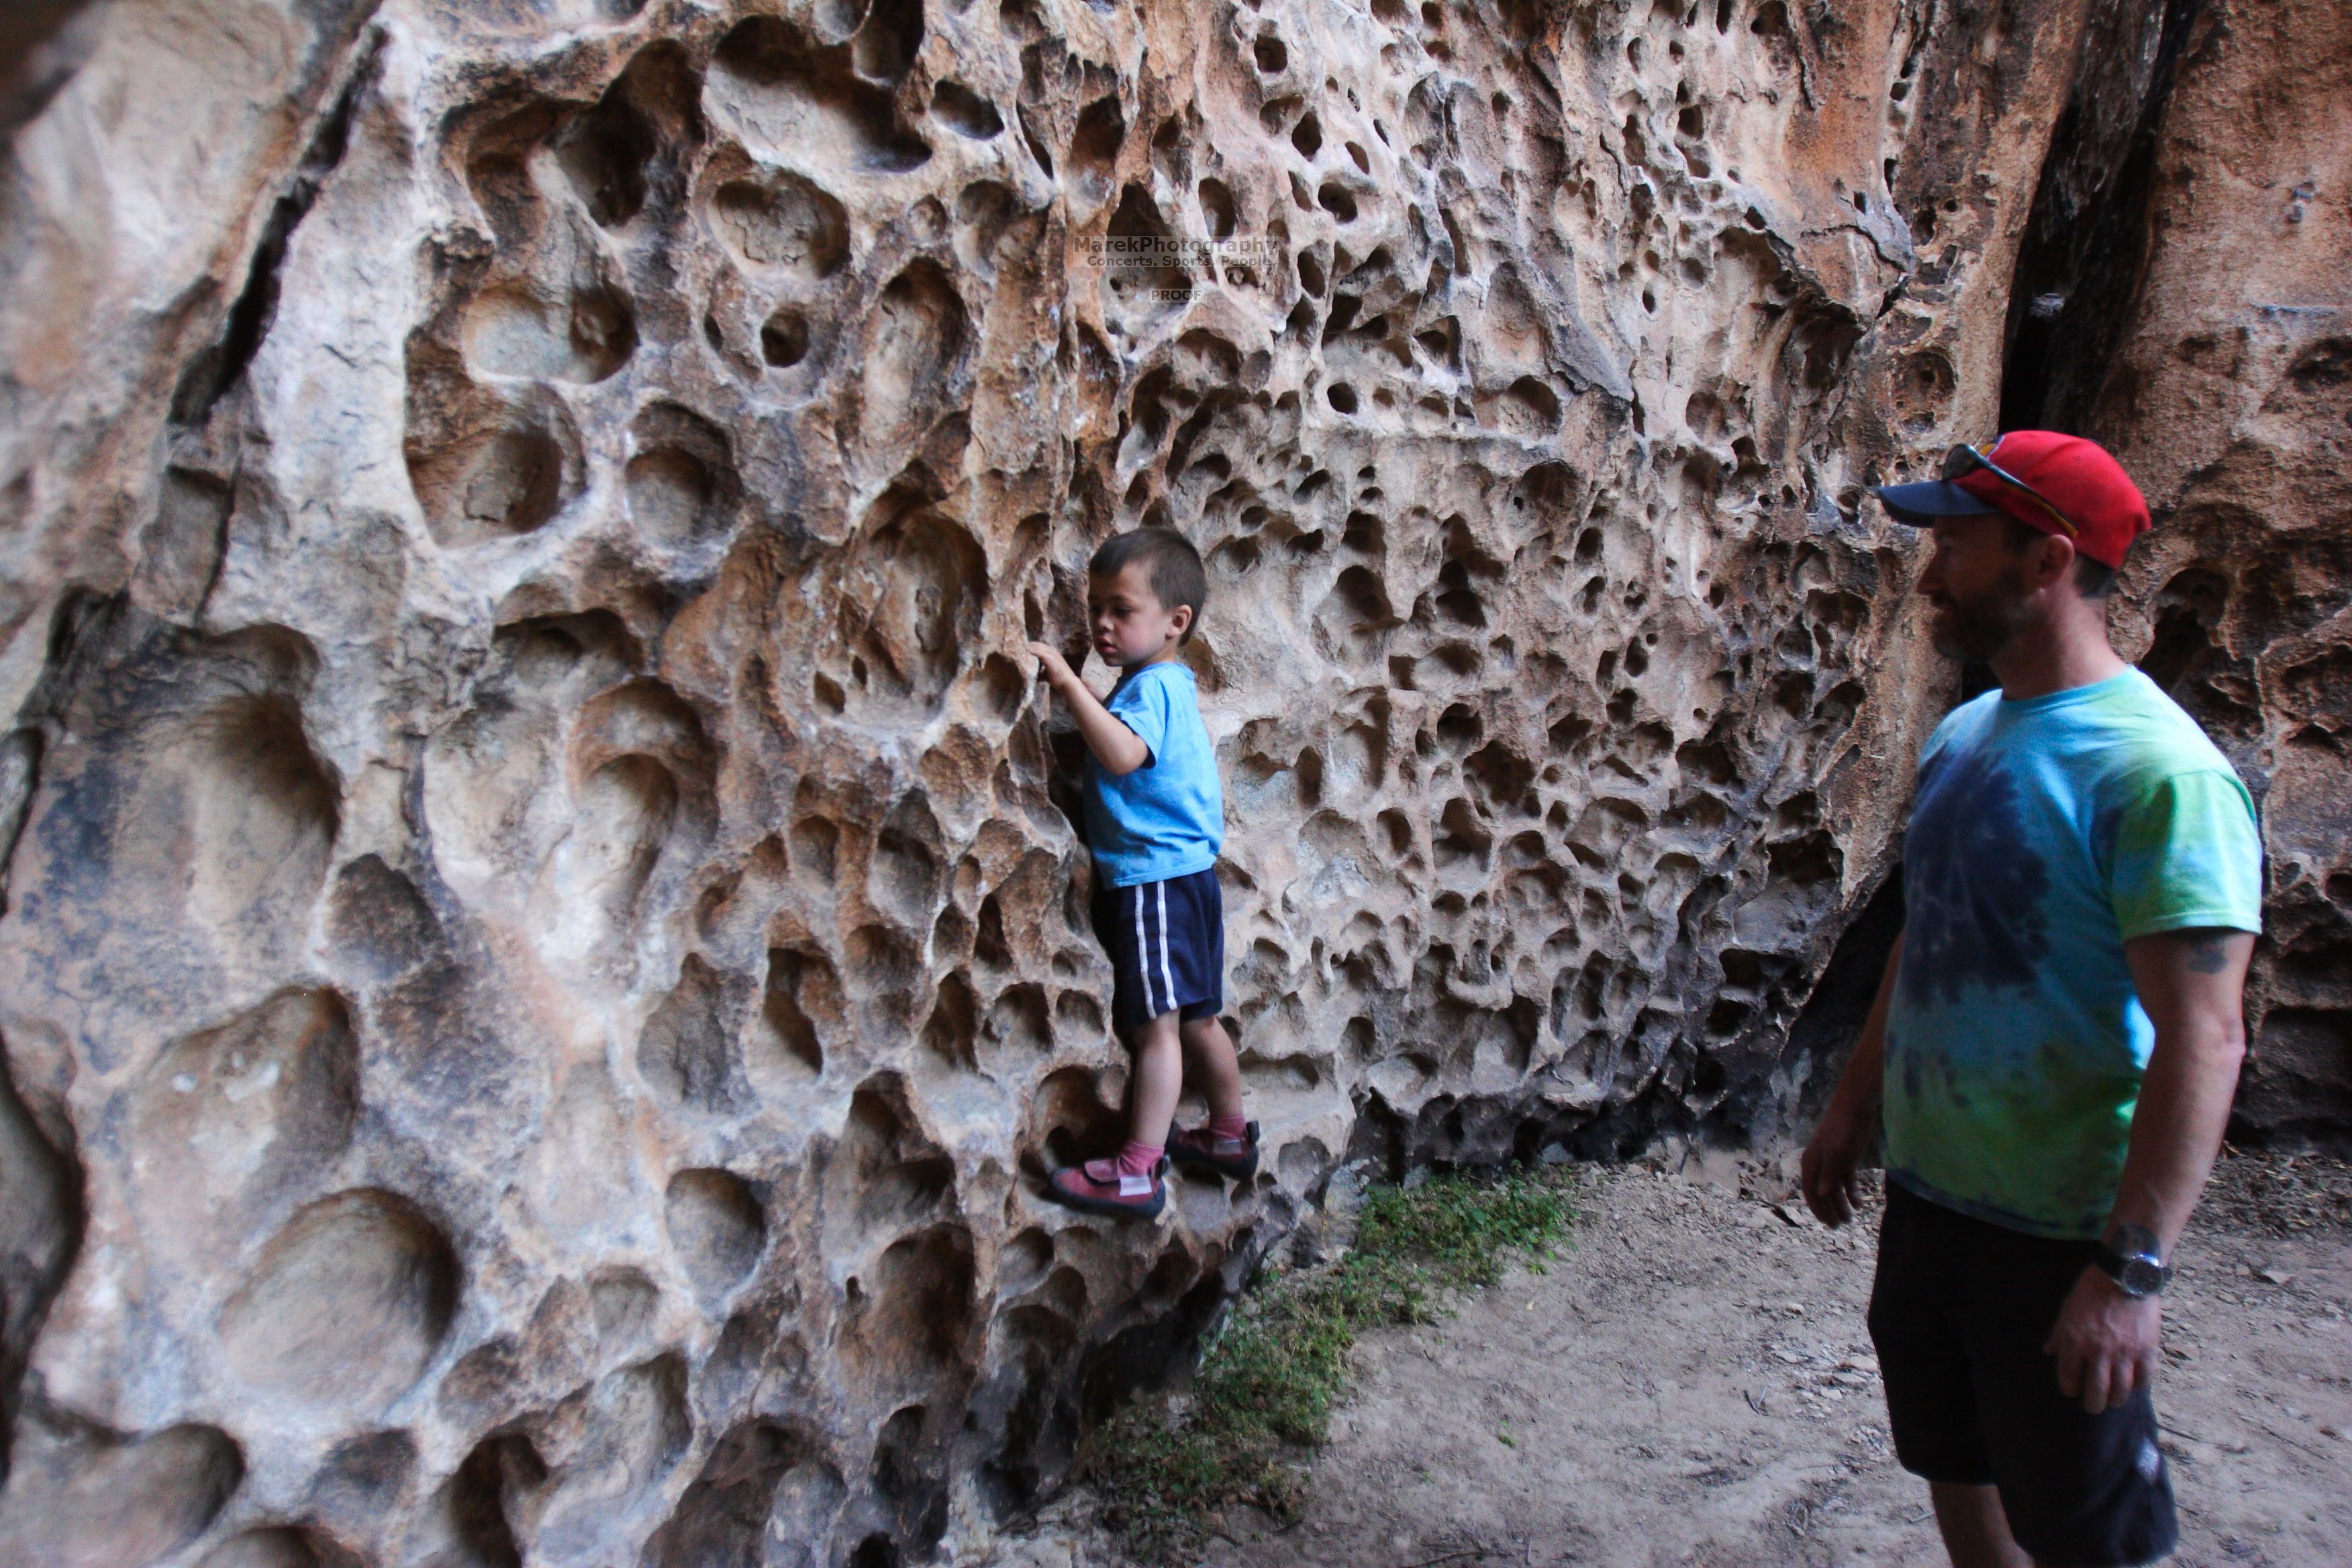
[
  {"x": 1143, "y": 956},
  {"x": 1165, "y": 973}
]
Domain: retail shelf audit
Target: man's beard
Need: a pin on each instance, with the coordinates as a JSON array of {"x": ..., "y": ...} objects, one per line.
[{"x": 1977, "y": 630}]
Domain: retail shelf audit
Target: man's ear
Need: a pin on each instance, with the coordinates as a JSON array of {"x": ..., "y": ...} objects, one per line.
[{"x": 2053, "y": 561}]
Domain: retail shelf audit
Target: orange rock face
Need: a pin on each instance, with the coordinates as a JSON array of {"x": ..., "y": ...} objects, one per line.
[
  {"x": 2228, "y": 393},
  {"x": 545, "y": 957}
]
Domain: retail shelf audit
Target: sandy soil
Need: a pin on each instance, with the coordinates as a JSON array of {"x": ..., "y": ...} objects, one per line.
[{"x": 1691, "y": 1383}]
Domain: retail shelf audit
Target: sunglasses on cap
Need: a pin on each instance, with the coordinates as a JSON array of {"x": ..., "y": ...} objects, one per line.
[{"x": 1966, "y": 459}]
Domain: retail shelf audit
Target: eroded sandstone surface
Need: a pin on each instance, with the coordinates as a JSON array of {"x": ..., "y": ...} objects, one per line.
[{"x": 544, "y": 951}]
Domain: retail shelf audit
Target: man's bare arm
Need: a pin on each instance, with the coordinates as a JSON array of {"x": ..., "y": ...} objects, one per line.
[
  {"x": 2192, "y": 983},
  {"x": 1828, "y": 1171}
]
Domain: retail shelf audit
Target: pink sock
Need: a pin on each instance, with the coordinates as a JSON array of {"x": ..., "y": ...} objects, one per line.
[
  {"x": 1232, "y": 1127},
  {"x": 1139, "y": 1159}
]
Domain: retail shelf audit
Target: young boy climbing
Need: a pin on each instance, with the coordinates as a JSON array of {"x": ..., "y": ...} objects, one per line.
[{"x": 1156, "y": 818}]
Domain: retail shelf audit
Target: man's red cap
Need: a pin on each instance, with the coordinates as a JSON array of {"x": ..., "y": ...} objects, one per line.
[{"x": 2078, "y": 493}]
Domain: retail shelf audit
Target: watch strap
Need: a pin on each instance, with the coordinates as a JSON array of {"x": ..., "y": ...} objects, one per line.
[{"x": 2136, "y": 1274}]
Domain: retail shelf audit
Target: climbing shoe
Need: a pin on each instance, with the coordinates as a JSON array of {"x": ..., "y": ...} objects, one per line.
[
  {"x": 1198, "y": 1149},
  {"x": 1098, "y": 1187}
]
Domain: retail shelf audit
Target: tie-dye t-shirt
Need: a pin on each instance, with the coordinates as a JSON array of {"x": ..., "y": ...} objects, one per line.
[{"x": 2047, "y": 834}]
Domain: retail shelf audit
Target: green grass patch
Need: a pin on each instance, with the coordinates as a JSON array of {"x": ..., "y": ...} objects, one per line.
[{"x": 1262, "y": 1399}]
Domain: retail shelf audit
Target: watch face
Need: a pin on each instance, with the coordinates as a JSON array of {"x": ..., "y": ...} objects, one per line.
[{"x": 2141, "y": 1276}]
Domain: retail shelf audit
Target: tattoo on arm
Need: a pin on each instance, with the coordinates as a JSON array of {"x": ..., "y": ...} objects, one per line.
[{"x": 2207, "y": 952}]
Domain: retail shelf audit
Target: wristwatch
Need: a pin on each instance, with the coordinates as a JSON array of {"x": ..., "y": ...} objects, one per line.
[{"x": 2129, "y": 1256}]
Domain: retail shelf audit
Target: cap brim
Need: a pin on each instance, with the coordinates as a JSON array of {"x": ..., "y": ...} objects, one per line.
[{"x": 1921, "y": 504}]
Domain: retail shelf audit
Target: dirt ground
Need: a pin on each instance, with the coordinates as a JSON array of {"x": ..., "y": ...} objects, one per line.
[{"x": 1691, "y": 1383}]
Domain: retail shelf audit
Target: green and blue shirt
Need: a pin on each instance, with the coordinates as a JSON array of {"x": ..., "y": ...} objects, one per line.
[{"x": 2047, "y": 834}]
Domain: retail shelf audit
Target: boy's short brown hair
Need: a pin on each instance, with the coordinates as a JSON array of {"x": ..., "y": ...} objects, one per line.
[{"x": 1169, "y": 563}]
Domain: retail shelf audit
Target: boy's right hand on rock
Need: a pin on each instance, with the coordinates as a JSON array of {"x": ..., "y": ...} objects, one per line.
[{"x": 1051, "y": 665}]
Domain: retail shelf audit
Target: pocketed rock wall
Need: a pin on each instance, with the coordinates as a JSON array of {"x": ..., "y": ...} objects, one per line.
[{"x": 544, "y": 954}]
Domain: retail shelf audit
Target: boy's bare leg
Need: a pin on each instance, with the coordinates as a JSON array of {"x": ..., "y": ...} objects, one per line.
[
  {"x": 1155, "y": 1080},
  {"x": 1127, "y": 1184},
  {"x": 1217, "y": 1069},
  {"x": 1976, "y": 1529}
]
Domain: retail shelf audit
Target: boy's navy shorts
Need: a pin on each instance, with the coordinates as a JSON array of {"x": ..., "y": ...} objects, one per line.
[
  {"x": 1167, "y": 947},
  {"x": 1960, "y": 1311}
]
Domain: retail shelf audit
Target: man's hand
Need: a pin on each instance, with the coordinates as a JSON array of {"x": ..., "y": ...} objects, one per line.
[
  {"x": 1051, "y": 665},
  {"x": 1830, "y": 1171},
  {"x": 2105, "y": 1342}
]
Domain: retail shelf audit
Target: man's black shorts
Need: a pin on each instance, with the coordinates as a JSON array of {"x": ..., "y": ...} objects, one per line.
[
  {"x": 1960, "y": 1311},
  {"x": 1166, "y": 941}
]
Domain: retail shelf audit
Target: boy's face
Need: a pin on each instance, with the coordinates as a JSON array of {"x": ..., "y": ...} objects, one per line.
[{"x": 1131, "y": 627}]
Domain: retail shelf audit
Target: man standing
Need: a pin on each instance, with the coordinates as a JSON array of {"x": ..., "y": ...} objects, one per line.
[{"x": 2057, "y": 1035}]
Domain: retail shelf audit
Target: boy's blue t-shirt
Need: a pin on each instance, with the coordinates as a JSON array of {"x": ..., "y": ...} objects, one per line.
[
  {"x": 2047, "y": 833},
  {"x": 1167, "y": 819}
]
